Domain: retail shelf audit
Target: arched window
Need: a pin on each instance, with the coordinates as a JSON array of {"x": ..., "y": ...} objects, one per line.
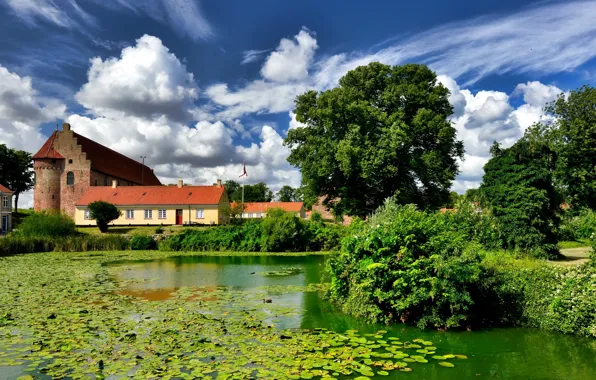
[{"x": 70, "y": 178}]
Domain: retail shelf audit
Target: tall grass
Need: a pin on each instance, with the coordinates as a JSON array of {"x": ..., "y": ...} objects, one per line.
[
  {"x": 18, "y": 244},
  {"x": 47, "y": 224}
]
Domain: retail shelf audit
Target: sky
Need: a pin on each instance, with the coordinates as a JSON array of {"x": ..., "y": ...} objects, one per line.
[{"x": 199, "y": 87}]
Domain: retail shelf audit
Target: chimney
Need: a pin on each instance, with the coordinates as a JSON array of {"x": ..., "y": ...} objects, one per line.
[
  {"x": 218, "y": 183},
  {"x": 66, "y": 127},
  {"x": 180, "y": 183},
  {"x": 114, "y": 183}
]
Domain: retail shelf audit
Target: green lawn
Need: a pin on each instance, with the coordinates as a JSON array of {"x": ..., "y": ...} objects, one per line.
[{"x": 574, "y": 244}]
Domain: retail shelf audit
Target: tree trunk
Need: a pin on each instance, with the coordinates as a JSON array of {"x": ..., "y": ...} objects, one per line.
[{"x": 16, "y": 201}]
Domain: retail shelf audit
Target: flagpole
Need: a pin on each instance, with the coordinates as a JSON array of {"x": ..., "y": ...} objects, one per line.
[{"x": 243, "y": 181}]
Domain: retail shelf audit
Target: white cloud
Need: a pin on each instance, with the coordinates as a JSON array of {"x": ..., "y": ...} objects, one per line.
[
  {"x": 249, "y": 56},
  {"x": 146, "y": 80},
  {"x": 22, "y": 111},
  {"x": 292, "y": 58},
  {"x": 488, "y": 116},
  {"x": 185, "y": 16},
  {"x": 295, "y": 123},
  {"x": 545, "y": 39}
]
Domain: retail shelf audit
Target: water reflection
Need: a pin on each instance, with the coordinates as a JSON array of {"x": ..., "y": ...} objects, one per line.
[{"x": 511, "y": 353}]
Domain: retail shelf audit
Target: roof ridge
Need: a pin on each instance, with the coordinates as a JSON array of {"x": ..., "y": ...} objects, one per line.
[{"x": 111, "y": 150}]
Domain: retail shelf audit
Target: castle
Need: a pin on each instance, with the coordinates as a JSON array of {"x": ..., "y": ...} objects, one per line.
[{"x": 68, "y": 164}]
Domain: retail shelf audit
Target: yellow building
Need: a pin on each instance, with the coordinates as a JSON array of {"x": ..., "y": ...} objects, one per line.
[
  {"x": 157, "y": 205},
  {"x": 259, "y": 209},
  {"x": 5, "y": 209}
]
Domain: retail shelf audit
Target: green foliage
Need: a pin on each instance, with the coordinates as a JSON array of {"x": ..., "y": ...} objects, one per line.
[
  {"x": 406, "y": 265},
  {"x": 259, "y": 192},
  {"x": 581, "y": 226},
  {"x": 383, "y": 132},
  {"x": 142, "y": 243},
  {"x": 18, "y": 244},
  {"x": 428, "y": 269},
  {"x": 288, "y": 194},
  {"x": 47, "y": 224},
  {"x": 159, "y": 230},
  {"x": 278, "y": 232},
  {"x": 16, "y": 171},
  {"x": 103, "y": 213},
  {"x": 573, "y": 138},
  {"x": 233, "y": 212},
  {"x": 536, "y": 294},
  {"x": 517, "y": 187},
  {"x": 316, "y": 217}
]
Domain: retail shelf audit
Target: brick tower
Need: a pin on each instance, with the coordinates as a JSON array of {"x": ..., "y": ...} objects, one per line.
[{"x": 69, "y": 163}]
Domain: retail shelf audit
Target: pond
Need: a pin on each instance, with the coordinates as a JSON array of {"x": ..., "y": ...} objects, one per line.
[
  {"x": 153, "y": 315},
  {"x": 502, "y": 353}
]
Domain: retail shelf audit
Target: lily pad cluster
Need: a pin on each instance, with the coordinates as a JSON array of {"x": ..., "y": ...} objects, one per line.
[{"x": 69, "y": 318}]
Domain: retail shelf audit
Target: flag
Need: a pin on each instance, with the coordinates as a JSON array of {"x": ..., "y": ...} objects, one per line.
[{"x": 244, "y": 172}]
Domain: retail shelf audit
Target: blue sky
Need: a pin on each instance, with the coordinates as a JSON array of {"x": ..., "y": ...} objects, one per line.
[{"x": 201, "y": 86}]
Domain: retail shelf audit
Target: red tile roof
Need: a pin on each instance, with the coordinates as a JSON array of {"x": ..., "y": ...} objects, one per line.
[
  {"x": 47, "y": 150},
  {"x": 264, "y": 206},
  {"x": 5, "y": 189},
  {"x": 153, "y": 195},
  {"x": 108, "y": 161}
]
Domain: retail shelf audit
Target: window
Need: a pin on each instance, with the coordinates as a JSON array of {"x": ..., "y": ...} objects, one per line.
[
  {"x": 5, "y": 202},
  {"x": 148, "y": 214},
  {"x": 95, "y": 182},
  {"x": 70, "y": 161},
  {"x": 70, "y": 178},
  {"x": 259, "y": 215},
  {"x": 161, "y": 214},
  {"x": 130, "y": 214},
  {"x": 251, "y": 215},
  {"x": 105, "y": 180},
  {"x": 87, "y": 214},
  {"x": 200, "y": 213}
]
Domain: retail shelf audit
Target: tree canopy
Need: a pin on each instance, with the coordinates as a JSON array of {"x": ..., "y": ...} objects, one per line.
[
  {"x": 288, "y": 194},
  {"x": 573, "y": 137},
  {"x": 518, "y": 188},
  {"x": 259, "y": 192},
  {"x": 16, "y": 171},
  {"x": 382, "y": 132}
]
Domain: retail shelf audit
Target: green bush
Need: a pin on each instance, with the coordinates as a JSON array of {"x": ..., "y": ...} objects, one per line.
[
  {"x": 47, "y": 224},
  {"x": 578, "y": 227},
  {"x": 18, "y": 244},
  {"x": 278, "y": 232},
  {"x": 406, "y": 265},
  {"x": 159, "y": 230},
  {"x": 142, "y": 243},
  {"x": 103, "y": 213}
]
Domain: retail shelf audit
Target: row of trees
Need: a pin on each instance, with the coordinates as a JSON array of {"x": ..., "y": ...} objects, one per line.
[
  {"x": 260, "y": 192},
  {"x": 16, "y": 171}
]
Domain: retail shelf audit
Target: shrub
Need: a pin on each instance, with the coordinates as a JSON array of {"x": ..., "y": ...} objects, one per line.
[
  {"x": 159, "y": 230},
  {"x": 142, "y": 243},
  {"x": 406, "y": 265},
  {"x": 578, "y": 227},
  {"x": 103, "y": 213},
  {"x": 282, "y": 232},
  {"x": 47, "y": 224}
]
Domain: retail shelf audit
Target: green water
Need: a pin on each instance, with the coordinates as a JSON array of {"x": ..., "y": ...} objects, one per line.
[{"x": 503, "y": 353}]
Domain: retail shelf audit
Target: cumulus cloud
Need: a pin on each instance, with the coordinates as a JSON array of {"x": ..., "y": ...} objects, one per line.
[
  {"x": 489, "y": 116},
  {"x": 22, "y": 111},
  {"x": 292, "y": 58},
  {"x": 146, "y": 80}
]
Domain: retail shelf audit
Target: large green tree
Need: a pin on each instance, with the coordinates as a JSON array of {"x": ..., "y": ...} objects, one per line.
[
  {"x": 103, "y": 213},
  {"x": 518, "y": 188},
  {"x": 16, "y": 171},
  {"x": 382, "y": 132},
  {"x": 573, "y": 138}
]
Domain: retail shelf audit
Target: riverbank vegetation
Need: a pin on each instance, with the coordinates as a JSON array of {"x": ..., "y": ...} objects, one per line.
[{"x": 406, "y": 265}]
